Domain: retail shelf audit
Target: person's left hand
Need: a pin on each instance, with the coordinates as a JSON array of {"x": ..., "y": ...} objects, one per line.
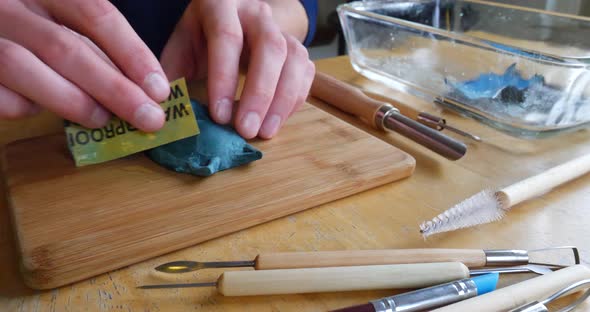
[{"x": 211, "y": 39}]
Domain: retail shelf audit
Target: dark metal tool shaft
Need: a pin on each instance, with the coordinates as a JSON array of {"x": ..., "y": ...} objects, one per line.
[{"x": 435, "y": 141}]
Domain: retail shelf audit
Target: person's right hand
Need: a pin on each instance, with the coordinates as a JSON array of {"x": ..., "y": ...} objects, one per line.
[{"x": 94, "y": 65}]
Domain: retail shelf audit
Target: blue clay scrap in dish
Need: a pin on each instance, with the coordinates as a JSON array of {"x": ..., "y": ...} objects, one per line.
[
  {"x": 509, "y": 86},
  {"x": 214, "y": 149}
]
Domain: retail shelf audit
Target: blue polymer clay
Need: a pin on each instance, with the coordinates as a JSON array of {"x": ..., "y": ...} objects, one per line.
[
  {"x": 214, "y": 149},
  {"x": 489, "y": 85}
]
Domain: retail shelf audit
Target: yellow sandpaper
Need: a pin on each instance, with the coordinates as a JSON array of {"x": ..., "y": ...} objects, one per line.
[{"x": 119, "y": 138}]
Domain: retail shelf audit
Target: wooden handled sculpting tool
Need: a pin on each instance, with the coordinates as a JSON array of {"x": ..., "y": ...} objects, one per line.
[
  {"x": 541, "y": 305},
  {"x": 472, "y": 258},
  {"x": 383, "y": 116},
  {"x": 294, "y": 281},
  {"x": 513, "y": 296}
]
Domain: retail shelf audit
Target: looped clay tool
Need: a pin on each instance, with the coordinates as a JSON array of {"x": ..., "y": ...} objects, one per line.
[
  {"x": 553, "y": 257},
  {"x": 541, "y": 306},
  {"x": 489, "y": 206},
  {"x": 383, "y": 116}
]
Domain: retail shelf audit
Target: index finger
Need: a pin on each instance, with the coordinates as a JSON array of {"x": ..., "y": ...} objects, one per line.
[
  {"x": 100, "y": 21},
  {"x": 268, "y": 54},
  {"x": 224, "y": 44}
]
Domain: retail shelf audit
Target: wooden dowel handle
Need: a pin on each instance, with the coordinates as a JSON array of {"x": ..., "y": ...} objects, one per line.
[
  {"x": 295, "y": 281},
  {"x": 345, "y": 97},
  {"x": 542, "y": 183},
  {"x": 516, "y": 295},
  {"x": 293, "y": 260}
]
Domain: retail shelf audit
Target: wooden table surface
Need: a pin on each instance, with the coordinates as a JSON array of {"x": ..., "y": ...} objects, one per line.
[{"x": 386, "y": 217}]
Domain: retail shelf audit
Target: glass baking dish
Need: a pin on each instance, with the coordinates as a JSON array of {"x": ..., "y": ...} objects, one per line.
[{"x": 520, "y": 70}]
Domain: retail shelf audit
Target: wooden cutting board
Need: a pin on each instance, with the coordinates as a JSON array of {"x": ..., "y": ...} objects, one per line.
[{"x": 74, "y": 223}]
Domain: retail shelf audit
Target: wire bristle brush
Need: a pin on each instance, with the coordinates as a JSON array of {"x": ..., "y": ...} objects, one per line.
[{"x": 489, "y": 206}]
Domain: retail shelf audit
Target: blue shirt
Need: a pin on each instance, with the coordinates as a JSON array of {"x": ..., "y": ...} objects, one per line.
[{"x": 154, "y": 20}]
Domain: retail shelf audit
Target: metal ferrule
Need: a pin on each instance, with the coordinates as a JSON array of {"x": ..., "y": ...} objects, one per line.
[
  {"x": 384, "y": 111},
  {"x": 534, "y": 306},
  {"x": 390, "y": 118},
  {"x": 427, "y": 298},
  {"x": 506, "y": 257}
]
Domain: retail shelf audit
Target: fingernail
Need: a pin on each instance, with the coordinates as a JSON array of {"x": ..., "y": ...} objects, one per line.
[
  {"x": 156, "y": 86},
  {"x": 100, "y": 116},
  {"x": 271, "y": 125},
  {"x": 148, "y": 118},
  {"x": 251, "y": 124},
  {"x": 223, "y": 110}
]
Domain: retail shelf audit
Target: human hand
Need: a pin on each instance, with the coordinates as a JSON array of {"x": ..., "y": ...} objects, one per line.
[
  {"x": 98, "y": 58},
  {"x": 211, "y": 39}
]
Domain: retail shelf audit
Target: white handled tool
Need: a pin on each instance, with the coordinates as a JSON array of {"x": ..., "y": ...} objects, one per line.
[{"x": 313, "y": 280}]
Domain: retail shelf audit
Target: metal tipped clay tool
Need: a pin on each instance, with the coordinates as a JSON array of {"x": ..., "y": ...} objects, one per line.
[
  {"x": 312, "y": 280},
  {"x": 473, "y": 258},
  {"x": 489, "y": 206},
  {"x": 349, "y": 278},
  {"x": 440, "y": 124},
  {"x": 529, "y": 268},
  {"x": 383, "y": 116},
  {"x": 541, "y": 306}
]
